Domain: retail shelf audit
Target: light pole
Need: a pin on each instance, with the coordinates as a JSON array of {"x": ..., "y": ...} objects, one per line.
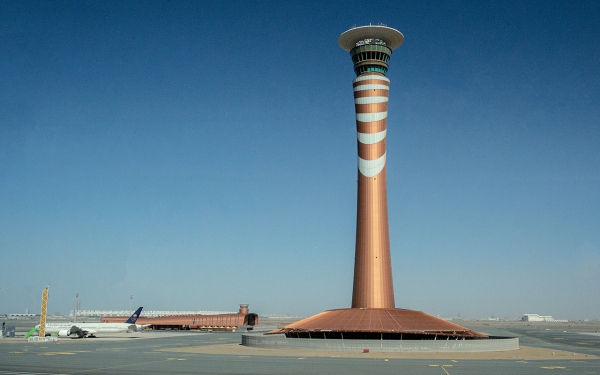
[
  {"x": 76, "y": 305},
  {"x": 130, "y": 298}
]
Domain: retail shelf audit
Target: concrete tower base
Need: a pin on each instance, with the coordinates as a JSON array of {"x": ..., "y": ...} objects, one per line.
[{"x": 493, "y": 344}]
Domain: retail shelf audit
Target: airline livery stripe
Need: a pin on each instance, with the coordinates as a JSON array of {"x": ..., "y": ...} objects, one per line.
[
  {"x": 371, "y": 168},
  {"x": 371, "y": 87},
  {"x": 371, "y": 100},
  {"x": 369, "y": 77},
  {"x": 370, "y": 117},
  {"x": 371, "y": 138}
]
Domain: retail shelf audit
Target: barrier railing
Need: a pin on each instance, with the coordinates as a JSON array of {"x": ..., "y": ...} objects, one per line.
[{"x": 483, "y": 345}]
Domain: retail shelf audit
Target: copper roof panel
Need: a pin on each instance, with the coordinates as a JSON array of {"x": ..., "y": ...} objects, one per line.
[{"x": 378, "y": 320}]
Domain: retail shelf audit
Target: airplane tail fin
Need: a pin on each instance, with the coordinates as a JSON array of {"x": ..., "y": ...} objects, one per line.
[{"x": 135, "y": 316}]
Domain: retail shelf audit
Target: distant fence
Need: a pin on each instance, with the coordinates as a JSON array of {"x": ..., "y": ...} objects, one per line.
[{"x": 493, "y": 344}]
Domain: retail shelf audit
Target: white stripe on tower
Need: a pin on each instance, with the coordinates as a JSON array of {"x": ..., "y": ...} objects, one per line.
[
  {"x": 370, "y": 122},
  {"x": 371, "y": 86},
  {"x": 371, "y": 138},
  {"x": 371, "y": 100},
  {"x": 371, "y": 168},
  {"x": 370, "y": 77},
  {"x": 370, "y": 117}
]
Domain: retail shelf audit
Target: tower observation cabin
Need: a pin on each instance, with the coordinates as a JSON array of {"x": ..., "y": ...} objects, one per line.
[{"x": 371, "y": 47}]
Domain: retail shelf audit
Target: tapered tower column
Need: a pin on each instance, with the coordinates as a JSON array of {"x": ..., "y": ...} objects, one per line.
[
  {"x": 373, "y": 311},
  {"x": 370, "y": 48}
]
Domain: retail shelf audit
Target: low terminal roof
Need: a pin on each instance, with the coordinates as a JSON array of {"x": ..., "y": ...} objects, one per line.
[
  {"x": 392, "y": 37},
  {"x": 378, "y": 321}
]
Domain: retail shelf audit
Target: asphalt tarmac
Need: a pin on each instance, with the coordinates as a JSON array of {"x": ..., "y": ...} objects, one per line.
[{"x": 165, "y": 353}]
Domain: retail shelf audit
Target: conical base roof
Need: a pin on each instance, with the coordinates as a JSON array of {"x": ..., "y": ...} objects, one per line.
[{"x": 400, "y": 321}]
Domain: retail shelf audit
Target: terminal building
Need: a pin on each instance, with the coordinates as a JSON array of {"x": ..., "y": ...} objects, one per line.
[
  {"x": 243, "y": 319},
  {"x": 540, "y": 318},
  {"x": 145, "y": 313}
]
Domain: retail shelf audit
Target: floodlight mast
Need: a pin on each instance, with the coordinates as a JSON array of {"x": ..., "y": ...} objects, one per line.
[{"x": 370, "y": 48}]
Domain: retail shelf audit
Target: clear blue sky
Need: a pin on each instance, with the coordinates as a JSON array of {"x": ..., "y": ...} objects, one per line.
[{"x": 203, "y": 154}]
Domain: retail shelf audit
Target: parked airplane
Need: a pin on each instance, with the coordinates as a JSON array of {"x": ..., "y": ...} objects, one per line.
[{"x": 91, "y": 329}]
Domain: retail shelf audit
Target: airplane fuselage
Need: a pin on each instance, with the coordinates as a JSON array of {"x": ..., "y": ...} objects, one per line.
[
  {"x": 88, "y": 329},
  {"x": 91, "y": 329}
]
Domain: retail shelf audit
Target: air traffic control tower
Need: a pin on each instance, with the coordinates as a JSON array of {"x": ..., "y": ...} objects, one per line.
[
  {"x": 371, "y": 48},
  {"x": 373, "y": 315}
]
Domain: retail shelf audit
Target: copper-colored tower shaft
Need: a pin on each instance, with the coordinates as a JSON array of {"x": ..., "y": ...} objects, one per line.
[{"x": 373, "y": 284}]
